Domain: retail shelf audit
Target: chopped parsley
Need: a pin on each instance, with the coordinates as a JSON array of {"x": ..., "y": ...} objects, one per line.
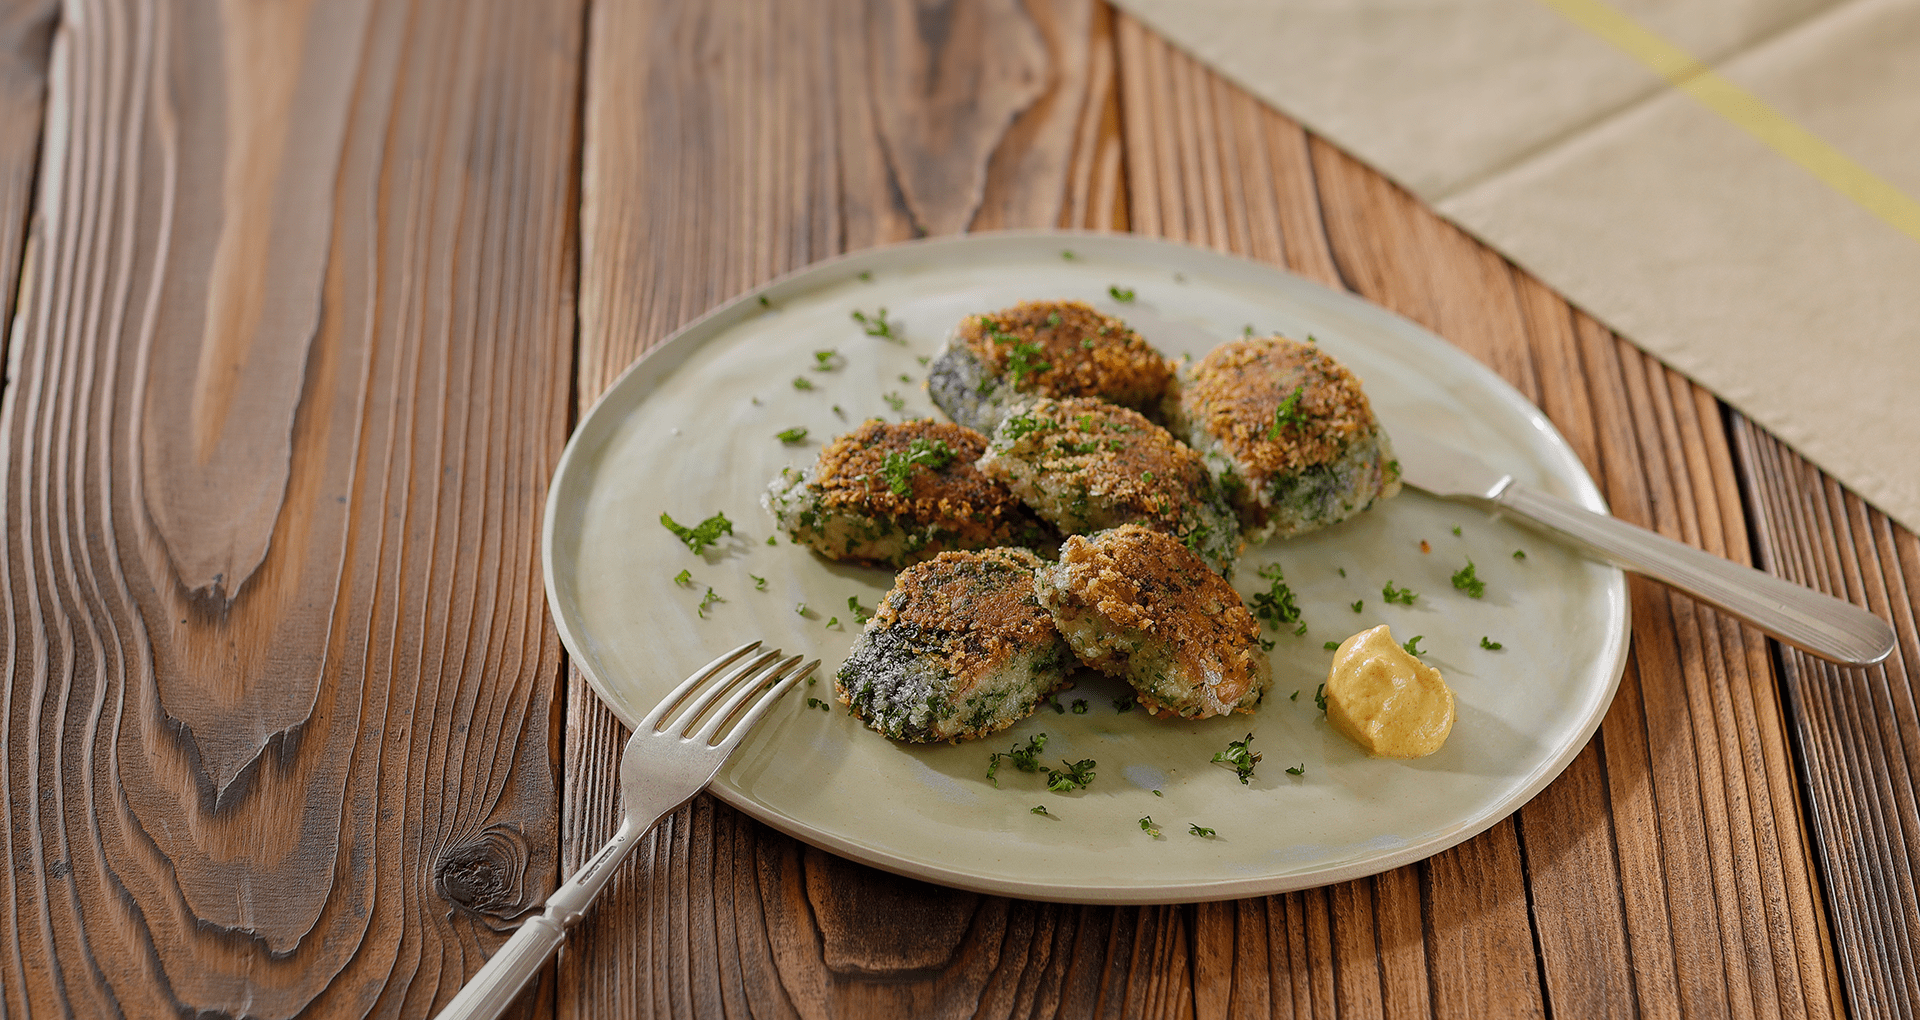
[
  {"x": 1489, "y": 644},
  {"x": 932, "y": 454},
  {"x": 801, "y": 608},
  {"x": 701, "y": 535},
  {"x": 866, "y": 277},
  {"x": 1021, "y": 424},
  {"x": 861, "y": 614},
  {"x": 1298, "y": 770},
  {"x": 773, "y": 540},
  {"x": 1357, "y": 603},
  {"x": 1412, "y": 644},
  {"x": 1295, "y": 696},
  {"x": 1075, "y": 776},
  {"x": 817, "y": 703},
  {"x": 801, "y": 382},
  {"x": 1288, "y": 413},
  {"x": 905, "y": 378},
  {"x": 764, "y": 303},
  {"x": 1079, "y": 706},
  {"x": 793, "y": 435},
  {"x": 1199, "y": 830},
  {"x": 836, "y": 410},
  {"x": 1240, "y": 758},
  {"x": 1343, "y": 571},
  {"x": 759, "y": 583},
  {"x": 1026, "y": 759},
  {"x": 1465, "y": 580},
  {"x": 1120, "y": 293},
  {"x": 877, "y": 325},
  {"x": 1331, "y": 646},
  {"x": 1065, "y": 254},
  {"x": 1276, "y": 604},
  {"x": 1124, "y": 703},
  {"x": 1320, "y": 698},
  {"x": 1157, "y": 793},
  {"x": 1302, "y": 629},
  {"x": 1519, "y": 554},
  {"x": 1025, "y": 361},
  {"x": 895, "y": 401},
  {"x": 1456, "y": 531},
  {"x": 827, "y": 360},
  {"x": 1247, "y": 330},
  {"x": 1053, "y": 319},
  {"x": 1266, "y": 645},
  {"x": 1147, "y": 826},
  {"x": 1053, "y": 700},
  {"x": 832, "y": 622},
  {"x": 1039, "y": 809},
  {"x": 684, "y": 577},
  {"x": 922, "y": 359},
  {"x": 1403, "y": 596},
  {"x": 706, "y": 600}
]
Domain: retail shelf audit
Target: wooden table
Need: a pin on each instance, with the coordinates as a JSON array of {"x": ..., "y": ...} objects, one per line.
[{"x": 304, "y": 299}]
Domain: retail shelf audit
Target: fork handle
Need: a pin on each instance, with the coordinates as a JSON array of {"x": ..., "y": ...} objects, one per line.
[{"x": 502, "y": 978}]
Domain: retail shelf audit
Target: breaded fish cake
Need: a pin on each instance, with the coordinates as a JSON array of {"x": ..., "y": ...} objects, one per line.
[
  {"x": 1137, "y": 604},
  {"x": 959, "y": 648},
  {"x": 1287, "y": 432},
  {"x": 891, "y": 495},
  {"x": 1085, "y": 465},
  {"x": 994, "y": 363}
]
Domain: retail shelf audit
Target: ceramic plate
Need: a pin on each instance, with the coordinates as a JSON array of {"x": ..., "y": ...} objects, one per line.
[{"x": 690, "y": 431}]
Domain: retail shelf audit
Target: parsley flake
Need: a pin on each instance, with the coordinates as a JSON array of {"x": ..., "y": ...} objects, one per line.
[
  {"x": 1288, "y": 413},
  {"x": 817, "y": 703},
  {"x": 1120, "y": 293},
  {"x": 1403, "y": 596},
  {"x": 931, "y": 454},
  {"x": 1465, "y": 580},
  {"x": 1412, "y": 644},
  {"x": 801, "y": 382},
  {"x": 877, "y": 325},
  {"x": 1147, "y": 826},
  {"x": 793, "y": 435},
  {"x": 1489, "y": 644},
  {"x": 759, "y": 583},
  {"x": 1199, "y": 830},
  {"x": 1320, "y": 698},
  {"x": 861, "y": 614},
  {"x": 1275, "y": 605},
  {"x": 801, "y": 608},
  {"x": 1039, "y": 809},
  {"x": 827, "y": 360},
  {"x": 1456, "y": 531},
  {"x": 832, "y": 622},
  {"x": 1079, "y": 706},
  {"x": 701, "y": 535},
  {"x": 684, "y": 577},
  {"x": 895, "y": 401},
  {"x": 1124, "y": 703},
  {"x": 1331, "y": 646},
  {"x": 1026, "y": 759},
  {"x": 1519, "y": 554},
  {"x": 1357, "y": 603},
  {"x": 1298, "y": 770},
  {"x": 1025, "y": 361},
  {"x": 1240, "y": 758},
  {"x": 706, "y": 600},
  {"x": 773, "y": 540},
  {"x": 1076, "y": 776}
]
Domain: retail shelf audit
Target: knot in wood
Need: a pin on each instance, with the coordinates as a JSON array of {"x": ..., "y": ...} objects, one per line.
[{"x": 485, "y": 875}]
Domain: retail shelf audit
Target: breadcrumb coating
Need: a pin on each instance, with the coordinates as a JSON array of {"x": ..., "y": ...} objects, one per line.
[
  {"x": 976, "y": 509},
  {"x": 1086, "y": 354}
]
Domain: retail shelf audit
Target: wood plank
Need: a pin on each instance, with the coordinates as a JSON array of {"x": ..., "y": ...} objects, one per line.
[
  {"x": 292, "y": 379},
  {"x": 1858, "y": 730},
  {"x": 26, "y": 43}
]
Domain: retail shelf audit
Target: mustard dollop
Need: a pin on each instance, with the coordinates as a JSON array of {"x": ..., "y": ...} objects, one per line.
[{"x": 1385, "y": 700}]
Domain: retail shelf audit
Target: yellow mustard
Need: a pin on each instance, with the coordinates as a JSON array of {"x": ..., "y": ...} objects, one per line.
[{"x": 1385, "y": 700}]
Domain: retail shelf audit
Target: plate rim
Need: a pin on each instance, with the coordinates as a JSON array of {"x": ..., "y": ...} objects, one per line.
[{"x": 673, "y": 350}]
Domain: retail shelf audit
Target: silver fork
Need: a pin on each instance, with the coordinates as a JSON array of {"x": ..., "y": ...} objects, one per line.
[{"x": 663, "y": 766}]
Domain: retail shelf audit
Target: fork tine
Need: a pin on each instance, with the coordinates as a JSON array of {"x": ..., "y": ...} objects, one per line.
[
  {"x": 732, "y": 707},
  {"x": 762, "y": 707},
  {"x": 699, "y": 677},
  {"x": 691, "y": 717}
]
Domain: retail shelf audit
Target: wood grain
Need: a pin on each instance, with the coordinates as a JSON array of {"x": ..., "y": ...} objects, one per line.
[
  {"x": 1855, "y": 728},
  {"x": 26, "y": 43},
  {"x": 292, "y": 378}
]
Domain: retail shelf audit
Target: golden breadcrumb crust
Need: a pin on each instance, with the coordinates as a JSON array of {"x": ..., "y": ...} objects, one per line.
[
  {"x": 1117, "y": 454},
  {"x": 851, "y": 478},
  {"x": 985, "y": 599},
  {"x": 1085, "y": 353},
  {"x": 1234, "y": 392},
  {"x": 1139, "y": 579}
]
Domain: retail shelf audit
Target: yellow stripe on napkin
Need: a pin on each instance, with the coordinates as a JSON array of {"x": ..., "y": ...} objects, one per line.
[{"x": 1746, "y": 111}]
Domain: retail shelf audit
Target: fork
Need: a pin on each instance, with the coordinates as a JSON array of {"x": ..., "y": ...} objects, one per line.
[{"x": 664, "y": 765}]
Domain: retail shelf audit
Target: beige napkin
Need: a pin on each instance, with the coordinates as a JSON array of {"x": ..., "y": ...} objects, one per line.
[{"x": 1729, "y": 183}]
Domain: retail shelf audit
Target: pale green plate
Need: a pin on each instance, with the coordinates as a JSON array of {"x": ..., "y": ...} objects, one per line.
[{"x": 689, "y": 430}]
